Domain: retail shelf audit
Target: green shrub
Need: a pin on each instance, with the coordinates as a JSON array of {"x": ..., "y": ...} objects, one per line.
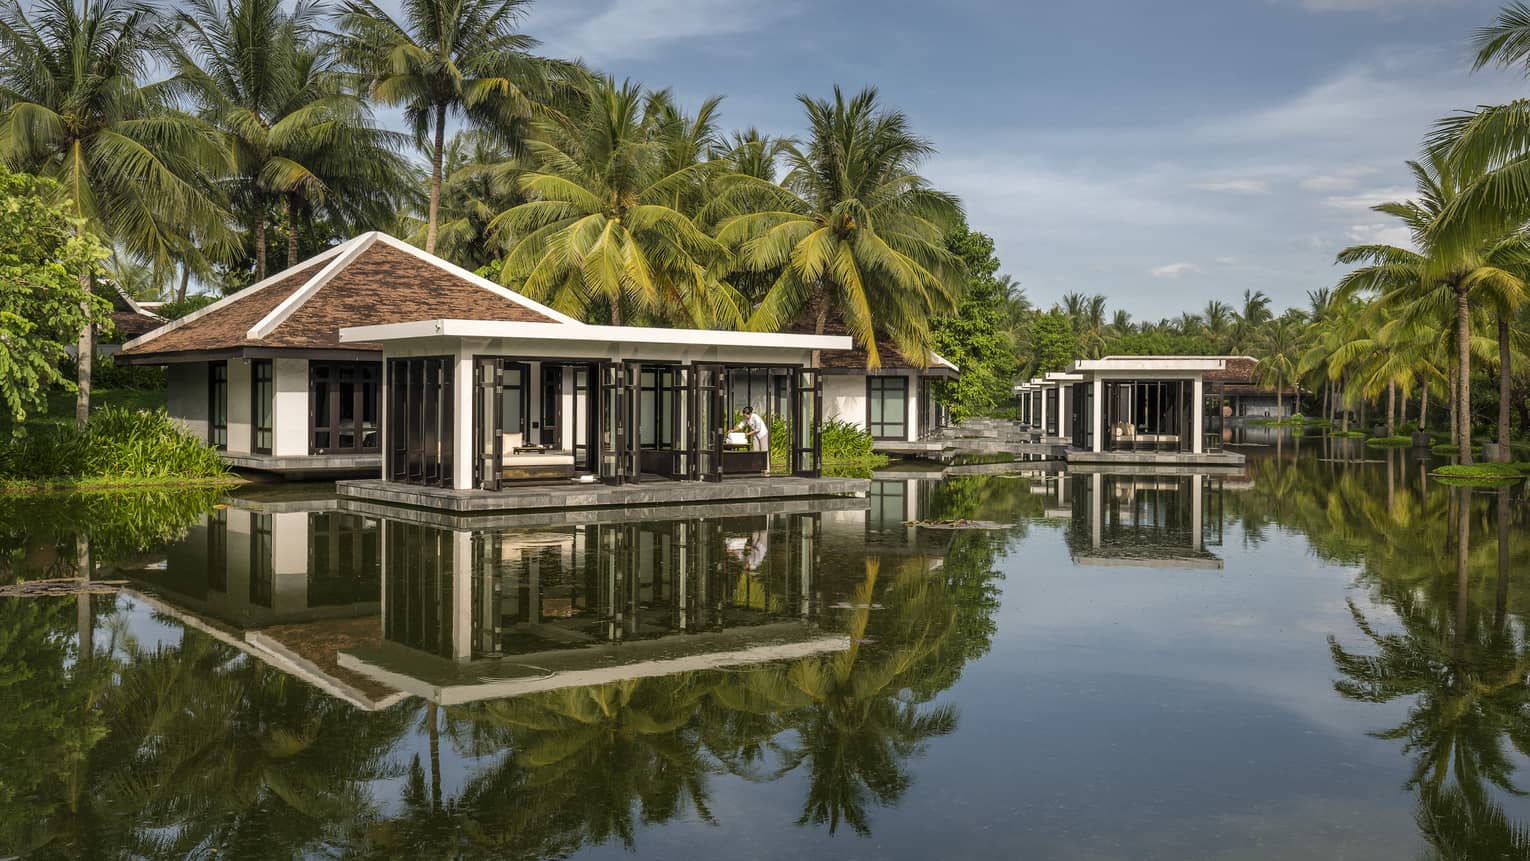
[
  {"x": 1349, "y": 434},
  {"x": 842, "y": 443},
  {"x": 1389, "y": 442},
  {"x": 107, "y": 374},
  {"x": 116, "y": 445}
]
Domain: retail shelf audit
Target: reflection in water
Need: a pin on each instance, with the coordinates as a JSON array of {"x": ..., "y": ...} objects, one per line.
[
  {"x": 575, "y": 676},
  {"x": 1165, "y": 521},
  {"x": 287, "y": 677}
]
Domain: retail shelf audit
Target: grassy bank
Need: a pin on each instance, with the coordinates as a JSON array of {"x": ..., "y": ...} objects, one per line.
[{"x": 119, "y": 447}]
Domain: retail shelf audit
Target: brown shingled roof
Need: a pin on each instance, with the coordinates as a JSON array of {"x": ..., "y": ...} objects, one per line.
[
  {"x": 381, "y": 282},
  {"x": 1237, "y": 378},
  {"x": 855, "y": 358}
]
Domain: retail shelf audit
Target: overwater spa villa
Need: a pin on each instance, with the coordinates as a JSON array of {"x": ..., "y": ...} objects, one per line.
[
  {"x": 376, "y": 359},
  {"x": 1131, "y": 409}
]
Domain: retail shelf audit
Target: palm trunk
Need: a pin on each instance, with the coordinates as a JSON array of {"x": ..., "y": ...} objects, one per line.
[
  {"x": 1455, "y": 426},
  {"x": 820, "y": 324},
  {"x": 1501, "y": 602},
  {"x": 1464, "y": 371},
  {"x": 85, "y": 610},
  {"x": 1391, "y": 408},
  {"x": 434, "y": 733},
  {"x": 1344, "y": 407},
  {"x": 1423, "y": 408},
  {"x": 1505, "y": 392},
  {"x": 1463, "y": 575},
  {"x": 260, "y": 236},
  {"x": 292, "y": 240},
  {"x": 435, "y": 179},
  {"x": 86, "y": 348}
]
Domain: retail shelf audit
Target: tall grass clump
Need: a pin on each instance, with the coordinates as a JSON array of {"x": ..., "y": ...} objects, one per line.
[
  {"x": 843, "y": 443},
  {"x": 117, "y": 445}
]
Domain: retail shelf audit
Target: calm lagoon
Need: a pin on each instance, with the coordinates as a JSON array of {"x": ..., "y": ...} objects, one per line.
[{"x": 1321, "y": 655}]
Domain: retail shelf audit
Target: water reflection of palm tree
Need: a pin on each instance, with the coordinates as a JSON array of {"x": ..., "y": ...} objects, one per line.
[
  {"x": 1464, "y": 669},
  {"x": 855, "y": 716}
]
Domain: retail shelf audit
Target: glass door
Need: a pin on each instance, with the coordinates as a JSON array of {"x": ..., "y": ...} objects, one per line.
[
  {"x": 552, "y": 406},
  {"x": 487, "y": 421},
  {"x": 806, "y": 442},
  {"x": 613, "y": 445},
  {"x": 708, "y": 426}
]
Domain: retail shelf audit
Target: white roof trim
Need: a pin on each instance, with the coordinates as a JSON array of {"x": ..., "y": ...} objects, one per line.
[
  {"x": 517, "y": 331},
  {"x": 938, "y": 359},
  {"x": 133, "y": 304},
  {"x": 1152, "y": 363},
  {"x": 280, "y": 313},
  {"x": 242, "y": 294}
]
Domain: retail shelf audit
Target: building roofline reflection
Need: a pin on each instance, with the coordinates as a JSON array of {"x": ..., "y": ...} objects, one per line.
[{"x": 1146, "y": 519}]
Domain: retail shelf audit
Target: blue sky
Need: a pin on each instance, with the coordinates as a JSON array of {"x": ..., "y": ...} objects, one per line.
[{"x": 1162, "y": 153}]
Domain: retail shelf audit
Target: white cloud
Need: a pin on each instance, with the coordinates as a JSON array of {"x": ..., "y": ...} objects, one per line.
[
  {"x": 1380, "y": 234},
  {"x": 1235, "y": 186},
  {"x": 1328, "y": 183},
  {"x": 1368, "y": 198},
  {"x": 1373, "y": 5},
  {"x": 1228, "y": 261},
  {"x": 627, "y": 29},
  {"x": 1173, "y": 270}
]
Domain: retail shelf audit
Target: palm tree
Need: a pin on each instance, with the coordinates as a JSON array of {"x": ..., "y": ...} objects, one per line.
[
  {"x": 256, "y": 72},
  {"x": 451, "y": 57},
  {"x": 853, "y": 229},
  {"x": 1441, "y": 277},
  {"x": 134, "y": 169},
  {"x": 601, "y": 233},
  {"x": 482, "y": 179},
  {"x": 1280, "y": 351},
  {"x": 1217, "y": 320}
]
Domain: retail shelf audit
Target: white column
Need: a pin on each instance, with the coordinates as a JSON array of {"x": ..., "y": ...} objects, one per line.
[
  {"x": 462, "y": 596},
  {"x": 289, "y": 407},
  {"x": 239, "y": 435},
  {"x": 1197, "y": 414},
  {"x": 462, "y": 419},
  {"x": 1064, "y": 412},
  {"x": 1197, "y": 488},
  {"x": 911, "y": 407},
  {"x": 1096, "y": 508},
  {"x": 1097, "y": 413}
]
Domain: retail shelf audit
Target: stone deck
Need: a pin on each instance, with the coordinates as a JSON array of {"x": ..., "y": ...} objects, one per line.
[
  {"x": 1153, "y": 458},
  {"x": 571, "y": 495},
  {"x": 312, "y": 466}
]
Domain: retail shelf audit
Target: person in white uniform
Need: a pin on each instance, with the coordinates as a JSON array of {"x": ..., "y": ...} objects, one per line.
[{"x": 756, "y": 430}]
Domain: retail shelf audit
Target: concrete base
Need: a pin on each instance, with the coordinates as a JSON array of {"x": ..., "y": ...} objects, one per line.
[
  {"x": 922, "y": 448},
  {"x": 310, "y": 466},
  {"x": 574, "y": 495},
  {"x": 555, "y": 517},
  {"x": 1155, "y": 458}
]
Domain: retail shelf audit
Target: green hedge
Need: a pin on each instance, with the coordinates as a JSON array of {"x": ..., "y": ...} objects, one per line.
[{"x": 117, "y": 446}]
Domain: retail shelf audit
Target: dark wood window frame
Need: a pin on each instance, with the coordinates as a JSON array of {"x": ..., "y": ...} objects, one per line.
[
  {"x": 217, "y": 405},
  {"x": 262, "y": 395},
  {"x": 324, "y": 422},
  {"x": 877, "y": 386},
  {"x": 421, "y": 420}
]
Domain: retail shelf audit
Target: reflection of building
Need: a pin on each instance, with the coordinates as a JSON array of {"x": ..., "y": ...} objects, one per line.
[
  {"x": 287, "y": 583},
  {"x": 1164, "y": 521},
  {"x": 489, "y": 613}
]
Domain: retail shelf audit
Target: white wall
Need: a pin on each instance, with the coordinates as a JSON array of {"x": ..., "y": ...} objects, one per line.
[
  {"x": 289, "y": 561},
  {"x": 239, "y": 436},
  {"x": 844, "y": 398},
  {"x": 289, "y": 419},
  {"x": 186, "y": 396}
]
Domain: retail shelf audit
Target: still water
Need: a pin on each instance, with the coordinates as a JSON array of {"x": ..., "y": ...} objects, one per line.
[{"x": 1323, "y": 654}]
